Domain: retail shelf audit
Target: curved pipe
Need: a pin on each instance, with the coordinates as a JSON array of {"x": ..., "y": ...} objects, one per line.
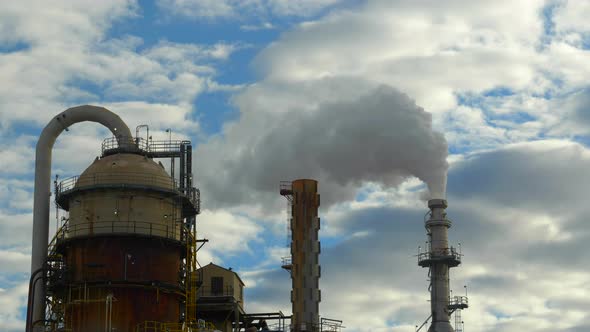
[
  {"x": 32, "y": 284},
  {"x": 43, "y": 181}
]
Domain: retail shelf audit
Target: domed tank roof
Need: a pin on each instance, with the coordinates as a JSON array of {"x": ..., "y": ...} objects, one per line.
[{"x": 125, "y": 168}]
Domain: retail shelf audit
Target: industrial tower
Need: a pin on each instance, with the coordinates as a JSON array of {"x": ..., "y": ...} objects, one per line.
[
  {"x": 439, "y": 257},
  {"x": 124, "y": 258},
  {"x": 305, "y": 249}
]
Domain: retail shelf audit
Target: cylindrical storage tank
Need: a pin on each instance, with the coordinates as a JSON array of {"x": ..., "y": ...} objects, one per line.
[{"x": 123, "y": 246}]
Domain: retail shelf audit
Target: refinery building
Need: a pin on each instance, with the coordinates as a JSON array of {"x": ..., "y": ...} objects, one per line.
[{"x": 125, "y": 254}]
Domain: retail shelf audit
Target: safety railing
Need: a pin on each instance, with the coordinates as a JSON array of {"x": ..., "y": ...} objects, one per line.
[
  {"x": 459, "y": 302},
  {"x": 165, "y": 146},
  {"x": 286, "y": 261},
  {"x": 440, "y": 254},
  {"x": 173, "y": 230},
  {"x": 330, "y": 325},
  {"x": 275, "y": 327},
  {"x": 153, "y": 326},
  {"x": 138, "y": 178},
  {"x": 141, "y": 144},
  {"x": 131, "y": 179},
  {"x": 124, "y": 143},
  {"x": 286, "y": 189},
  {"x": 208, "y": 291}
]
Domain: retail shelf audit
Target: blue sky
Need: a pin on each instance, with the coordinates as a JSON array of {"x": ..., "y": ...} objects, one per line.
[{"x": 368, "y": 97}]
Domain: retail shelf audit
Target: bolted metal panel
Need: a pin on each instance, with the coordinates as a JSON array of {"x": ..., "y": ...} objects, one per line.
[{"x": 305, "y": 251}]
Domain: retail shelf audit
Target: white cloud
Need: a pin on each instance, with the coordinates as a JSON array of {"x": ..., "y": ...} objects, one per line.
[
  {"x": 64, "y": 22},
  {"x": 14, "y": 262},
  {"x": 82, "y": 65},
  {"x": 263, "y": 26},
  {"x": 241, "y": 9},
  {"x": 427, "y": 50},
  {"x": 16, "y": 230},
  {"x": 230, "y": 234},
  {"x": 570, "y": 17},
  {"x": 16, "y": 155},
  {"x": 13, "y": 300}
]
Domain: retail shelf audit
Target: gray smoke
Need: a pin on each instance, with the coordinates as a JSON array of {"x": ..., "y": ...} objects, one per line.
[{"x": 381, "y": 136}]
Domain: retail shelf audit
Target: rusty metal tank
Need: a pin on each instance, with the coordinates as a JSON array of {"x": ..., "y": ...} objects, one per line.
[{"x": 123, "y": 246}]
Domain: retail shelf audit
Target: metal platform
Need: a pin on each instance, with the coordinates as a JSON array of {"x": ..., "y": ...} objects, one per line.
[
  {"x": 286, "y": 263},
  {"x": 449, "y": 256},
  {"x": 458, "y": 302}
]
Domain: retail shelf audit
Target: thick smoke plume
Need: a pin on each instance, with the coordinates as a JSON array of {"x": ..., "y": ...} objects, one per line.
[{"x": 381, "y": 136}]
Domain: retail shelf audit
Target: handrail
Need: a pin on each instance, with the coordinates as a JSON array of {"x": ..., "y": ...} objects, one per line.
[
  {"x": 141, "y": 144},
  {"x": 440, "y": 253},
  {"x": 169, "y": 229},
  {"x": 128, "y": 178},
  {"x": 286, "y": 260},
  {"x": 154, "y": 326},
  {"x": 458, "y": 300},
  {"x": 206, "y": 291},
  {"x": 76, "y": 182},
  {"x": 129, "y": 143}
]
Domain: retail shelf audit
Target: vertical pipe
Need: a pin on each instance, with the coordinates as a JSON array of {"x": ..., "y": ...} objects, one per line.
[
  {"x": 236, "y": 318},
  {"x": 189, "y": 166},
  {"x": 182, "y": 170},
  {"x": 189, "y": 177},
  {"x": 43, "y": 182}
]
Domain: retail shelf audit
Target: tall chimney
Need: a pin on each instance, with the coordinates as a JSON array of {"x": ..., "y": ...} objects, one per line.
[
  {"x": 439, "y": 257},
  {"x": 305, "y": 250}
]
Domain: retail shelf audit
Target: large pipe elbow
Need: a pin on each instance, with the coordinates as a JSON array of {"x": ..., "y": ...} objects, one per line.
[{"x": 42, "y": 193}]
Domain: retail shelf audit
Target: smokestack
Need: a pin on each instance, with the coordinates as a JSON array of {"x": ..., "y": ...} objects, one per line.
[
  {"x": 439, "y": 257},
  {"x": 305, "y": 250}
]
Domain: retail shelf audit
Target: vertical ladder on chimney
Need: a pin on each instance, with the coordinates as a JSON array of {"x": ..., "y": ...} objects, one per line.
[
  {"x": 458, "y": 321},
  {"x": 286, "y": 190}
]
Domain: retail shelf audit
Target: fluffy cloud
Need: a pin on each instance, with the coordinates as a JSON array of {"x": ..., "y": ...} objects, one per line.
[
  {"x": 574, "y": 114},
  {"x": 569, "y": 18},
  {"x": 213, "y": 9},
  {"x": 12, "y": 300},
  {"x": 229, "y": 233},
  {"x": 560, "y": 174},
  {"x": 444, "y": 49}
]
